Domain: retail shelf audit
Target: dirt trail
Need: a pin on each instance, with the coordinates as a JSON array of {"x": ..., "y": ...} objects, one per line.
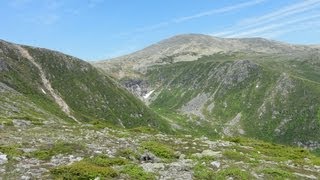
[{"x": 62, "y": 104}]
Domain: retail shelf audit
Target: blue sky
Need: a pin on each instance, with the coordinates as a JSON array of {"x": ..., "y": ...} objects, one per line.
[{"x": 100, "y": 29}]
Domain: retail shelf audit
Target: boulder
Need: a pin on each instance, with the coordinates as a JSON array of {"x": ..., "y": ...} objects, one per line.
[{"x": 3, "y": 158}]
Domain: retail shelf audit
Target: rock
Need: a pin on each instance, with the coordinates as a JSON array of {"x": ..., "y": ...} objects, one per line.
[
  {"x": 20, "y": 123},
  {"x": 3, "y": 158},
  {"x": 2, "y": 171},
  {"x": 215, "y": 164},
  {"x": 305, "y": 176},
  {"x": 28, "y": 150},
  {"x": 61, "y": 159},
  {"x": 183, "y": 165},
  {"x": 209, "y": 153},
  {"x": 153, "y": 167},
  {"x": 178, "y": 170},
  {"x": 3, "y": 65},
  {"x": 148, "y": 157},
  {"x": 25, "y": 177},
  {"x": 138, "y": 87},
  {"x": 182, "y": 156},
  {"x": 177, "y": 154}
]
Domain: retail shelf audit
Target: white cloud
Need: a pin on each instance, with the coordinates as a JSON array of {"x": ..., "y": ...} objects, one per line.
[
  {"x": 218, "y": 11},
  {"x": 314, "y": 25},
  {"x": 251, "y": 26},
  {"x": 271, "y": 27},
  {"x": 94, "y": 3},
  {"x": 19, "y": 3},
  {"x": 225, "y": 9},
  {"x": 286, "y": 11}
]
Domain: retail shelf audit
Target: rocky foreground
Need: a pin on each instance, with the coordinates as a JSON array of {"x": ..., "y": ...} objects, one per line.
[{"x": 55, "y": 151}]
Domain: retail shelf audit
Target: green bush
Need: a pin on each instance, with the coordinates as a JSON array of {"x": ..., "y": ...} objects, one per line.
[
  {"x": 83, "y": 170},
  {"x": 11, "y": 151},
  {"x": 105, "y": 161},
  {"x": 202, "y": 172},
  {"x": 160, "y": 150},
  {"x": 136, "y": 172},
  {"x": 127, "y": 153}
]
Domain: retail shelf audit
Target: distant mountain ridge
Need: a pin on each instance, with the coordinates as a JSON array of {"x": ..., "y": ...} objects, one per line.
[
  {"x": 228, "y": 87},
  {"x": 190, "y": 47}
]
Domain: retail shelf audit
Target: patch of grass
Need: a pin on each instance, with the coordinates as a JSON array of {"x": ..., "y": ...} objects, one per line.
[
  {"x": 160, "y": 150},
  {"x": 202, "y": 172},
  {"x": 316, "y": 152},
  {"x": 143, "y": 129},
  {"x": 11, "y": 151},
  {"x": 277, "y": 173},
  {"x": 83, "y": 170},
  {"x": 45, "y": 153},
  {"x": 105, "y": 161},
  {"x": 201, "y": 159},
  {"x": 234, "y": 139},
  {"x": 99, "y": 124},
  {"x": 137, "y": 172},
  {"x": 234, "y": 173},
  {"x": 6, "y": 122},
  {"x": 234, "y": 155},
  {"x": 277, "y": 152},
  {"x": 128, "y": 154}
]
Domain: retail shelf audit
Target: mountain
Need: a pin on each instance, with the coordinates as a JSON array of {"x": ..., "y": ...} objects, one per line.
[
  {"x": 228, "y": 87},
  {"x": 44, "y": 86},
  {"x": 190, "y": 47}
]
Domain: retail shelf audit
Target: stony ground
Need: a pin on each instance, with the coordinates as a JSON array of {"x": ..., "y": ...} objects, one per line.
[{"x": 57, "y": 151}]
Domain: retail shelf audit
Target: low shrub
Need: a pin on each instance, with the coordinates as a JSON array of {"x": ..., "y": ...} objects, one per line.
[
  {"x": 137, "y": 172},
  {"x": 160, "y": 150}
]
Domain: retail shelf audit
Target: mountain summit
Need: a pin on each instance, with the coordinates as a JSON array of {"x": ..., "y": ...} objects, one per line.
[{"x": 190, "y": 47}]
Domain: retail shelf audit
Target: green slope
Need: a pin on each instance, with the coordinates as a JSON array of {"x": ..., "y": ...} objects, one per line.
[
  {"x": 274, "y": 97},
  {"x": 90, "y": 95}
]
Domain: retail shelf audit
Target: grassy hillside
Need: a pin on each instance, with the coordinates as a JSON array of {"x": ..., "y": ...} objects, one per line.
[
  {"x": 270, "y": 97},
  {"x": 90, "y": 95}
]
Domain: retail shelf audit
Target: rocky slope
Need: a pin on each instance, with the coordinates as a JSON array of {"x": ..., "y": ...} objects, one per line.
[
  {"x": 55, "y": 151},
  {"x": 40, "y": 85},
  {"x": 250, "y": 87}
]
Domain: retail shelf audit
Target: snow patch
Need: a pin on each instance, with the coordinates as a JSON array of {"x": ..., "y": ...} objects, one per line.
[
  {"x": 44, "y": 92},
  {"x": 146, "y": 96}
]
